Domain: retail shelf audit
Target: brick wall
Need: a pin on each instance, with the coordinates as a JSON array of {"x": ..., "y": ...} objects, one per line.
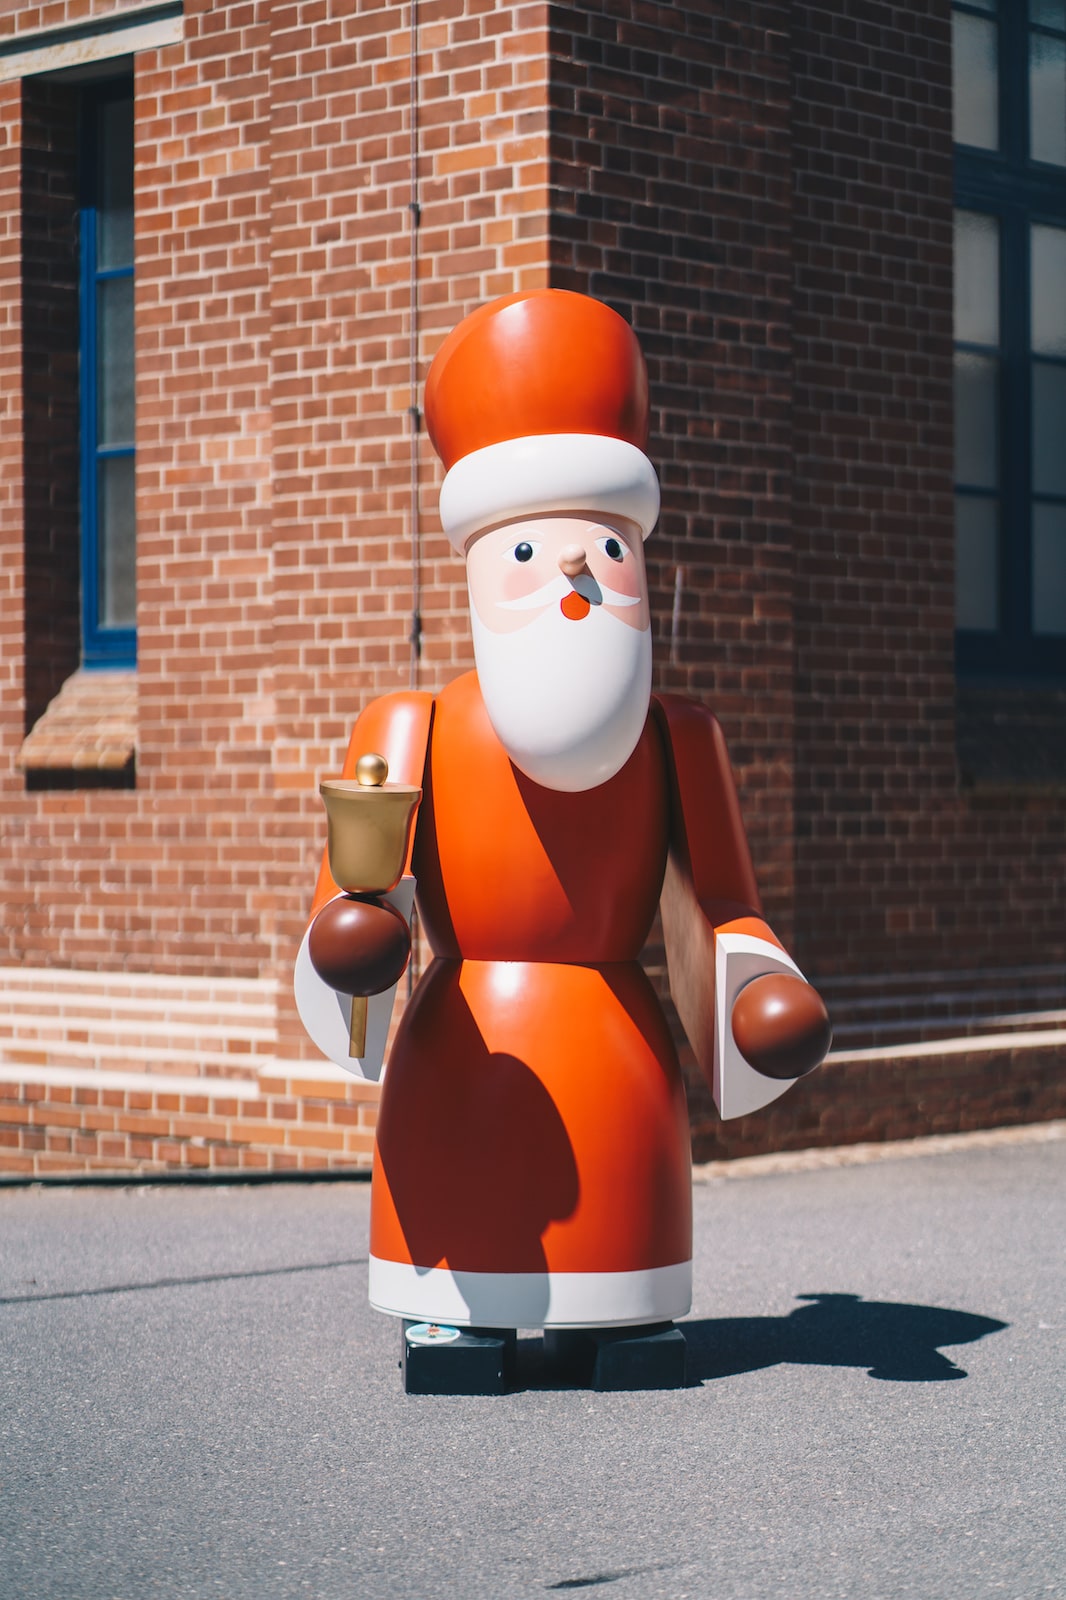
[
  {"x": 859, "y": 1102},
  {"x": 671, "y": 198},
  {"x": 17, "y": 17},
  {"x": 346, "y": 467},
  {"x": 163, "y": 877},
  {"x": 765, "y": 192},
  {"x": 12, "y": 631},
  {"x": 898, "y": 865},
  {"x": 205, "y": 622},
  {"x": 274, "y": 327},
  {"x": 873, "y": 512}
]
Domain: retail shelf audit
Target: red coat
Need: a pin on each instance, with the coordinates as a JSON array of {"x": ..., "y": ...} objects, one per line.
[{"x": 532, "y": 1165}]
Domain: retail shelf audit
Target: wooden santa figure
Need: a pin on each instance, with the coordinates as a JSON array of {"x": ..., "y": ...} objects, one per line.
[{"x": 532, "y": 1166}]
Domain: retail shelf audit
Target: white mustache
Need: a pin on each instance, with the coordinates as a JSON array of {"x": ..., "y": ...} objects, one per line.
[{"x": 559, "y": 587}]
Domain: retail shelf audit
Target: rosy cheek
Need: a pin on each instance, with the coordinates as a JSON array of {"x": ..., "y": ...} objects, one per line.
[
  {"x": 517, "y": 579},
  {"x": 494, "y": 583}
]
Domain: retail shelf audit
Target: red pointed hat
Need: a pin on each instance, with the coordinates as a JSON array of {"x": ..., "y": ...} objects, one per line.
[{"x": 539, "y": 403}]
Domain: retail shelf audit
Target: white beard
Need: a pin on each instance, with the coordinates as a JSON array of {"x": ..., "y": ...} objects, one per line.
[{"x": 567, "y": 700}]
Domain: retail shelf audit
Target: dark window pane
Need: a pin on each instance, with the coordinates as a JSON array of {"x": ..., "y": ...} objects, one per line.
[
  {"x": 116, "y": 554},
  {"x": 976, "y": 563},
  {"x": 1049, "y": 428},
  {"x": 114, "y": 185},
  {"x": 1048, "y": 284},
  {"x": 114, "y": 361},
  {"x": 975, "y": 81},
  {"x": 976, "y": 278},
  {"x": 1047, "y": 99},
  {"x": 976, "y": 420},
  {"x": 1049, "y": 13},
  {"x": 1049, "y": 570}
]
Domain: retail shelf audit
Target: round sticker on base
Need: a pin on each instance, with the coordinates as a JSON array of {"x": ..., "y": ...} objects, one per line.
[{"x": 431, "y": 1333}]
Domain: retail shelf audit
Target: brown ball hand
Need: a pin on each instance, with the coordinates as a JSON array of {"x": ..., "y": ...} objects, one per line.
[
  {"x": 359, "y": 946},
  {"x": 781, "y": 1026}
]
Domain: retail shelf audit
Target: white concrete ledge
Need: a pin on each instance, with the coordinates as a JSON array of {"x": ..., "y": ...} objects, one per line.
[
  {"x": 972, "y": 1044},
  {"x": 243, "y": 1088},
  {"x": 820, "y": 1157},
  {"x": 132, "y": 1082},
  {"x": 41, "y": 979},
  {"x": 117, "y": 33}
]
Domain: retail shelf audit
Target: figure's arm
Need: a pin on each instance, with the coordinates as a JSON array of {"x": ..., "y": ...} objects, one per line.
[
  {"x": 753, "y": 1021},
  {"x": 354, "y": 947}
]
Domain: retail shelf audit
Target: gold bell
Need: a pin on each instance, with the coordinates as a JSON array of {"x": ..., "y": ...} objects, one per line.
[{"x": 369, "y": 826}]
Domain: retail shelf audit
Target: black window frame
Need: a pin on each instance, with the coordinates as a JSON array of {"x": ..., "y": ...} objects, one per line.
[{"x": 102, "y": 646}]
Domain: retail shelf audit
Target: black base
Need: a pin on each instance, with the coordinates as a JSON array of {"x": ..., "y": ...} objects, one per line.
[
  {"x": 483, "y": 1360},
  {"x": 479, "y": 1361},
  {"x": 648, "y": 1357}
]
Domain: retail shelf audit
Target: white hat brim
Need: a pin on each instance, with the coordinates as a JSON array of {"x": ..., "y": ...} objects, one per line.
[{"x": 544, "y": 473}]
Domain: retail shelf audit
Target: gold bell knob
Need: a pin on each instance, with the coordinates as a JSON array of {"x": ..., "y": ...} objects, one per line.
[{"x": 371, "y": 770}]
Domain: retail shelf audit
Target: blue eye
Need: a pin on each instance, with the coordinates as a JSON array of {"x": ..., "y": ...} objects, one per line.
[
  {"x": 614, "y": 548},
  {"x": 523, "y": 551}
]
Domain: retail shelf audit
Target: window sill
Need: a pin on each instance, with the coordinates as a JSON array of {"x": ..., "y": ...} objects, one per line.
[{"x": 88, "y": 731}]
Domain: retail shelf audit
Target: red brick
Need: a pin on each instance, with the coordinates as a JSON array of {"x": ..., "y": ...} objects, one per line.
[{"x": 776, "y": 225}]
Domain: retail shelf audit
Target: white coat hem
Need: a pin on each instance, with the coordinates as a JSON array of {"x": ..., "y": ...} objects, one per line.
[{"x": 531, "y": 1299}]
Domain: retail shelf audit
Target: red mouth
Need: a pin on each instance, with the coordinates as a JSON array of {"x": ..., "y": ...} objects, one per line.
[{"x": 574, "y": 606}]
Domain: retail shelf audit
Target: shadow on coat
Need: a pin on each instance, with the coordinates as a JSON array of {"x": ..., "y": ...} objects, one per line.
[
  {"x": 474, "y": 1160},
  {"x": 898, "y": 1343}
]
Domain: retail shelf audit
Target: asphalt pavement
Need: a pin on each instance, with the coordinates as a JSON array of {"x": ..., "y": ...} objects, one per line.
[{"x": 196, "y": 1401}]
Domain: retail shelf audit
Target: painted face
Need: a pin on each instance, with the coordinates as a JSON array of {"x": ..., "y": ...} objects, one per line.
[
  {"x": 562, "y": 641},
  {"x": 518, "y": 572}
]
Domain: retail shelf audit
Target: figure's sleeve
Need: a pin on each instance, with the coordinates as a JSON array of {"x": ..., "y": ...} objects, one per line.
[
  {"x": 716, "y": 938},
  {"x": 397, "y": 727}
]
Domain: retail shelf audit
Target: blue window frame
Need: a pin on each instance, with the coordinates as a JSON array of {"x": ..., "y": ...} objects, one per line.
[
  {"x": 108, "y": 525},
  {"x": 1010, "y": 335}
]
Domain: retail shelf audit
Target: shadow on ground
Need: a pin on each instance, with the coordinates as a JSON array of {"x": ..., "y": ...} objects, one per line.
[
  {"x": 899, "y": 1343},
  {"x": 895, "y": 1342}
]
